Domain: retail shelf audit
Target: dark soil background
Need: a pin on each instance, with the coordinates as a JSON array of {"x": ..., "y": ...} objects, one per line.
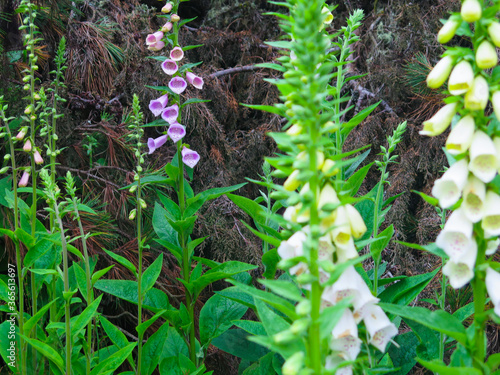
[{"x": 396, "y": 48}]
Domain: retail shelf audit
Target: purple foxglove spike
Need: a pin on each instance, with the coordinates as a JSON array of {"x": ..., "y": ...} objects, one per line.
[
  {"x": 158, "y": 105},
  {"x": 190, "y": 157},
  {"x": 170, "y": 114},
  {"x": 170, "y": 67},
  {"x": 156, "y": 46},
  {"x": 177, "y": 54},
  {"x": 153, "y": 144},
  {"x": 23, "y": 182},
  {"x": 194, "y": 80},
  {"x": 176, "y": 132},
  {"x": 177, "y": 85}
]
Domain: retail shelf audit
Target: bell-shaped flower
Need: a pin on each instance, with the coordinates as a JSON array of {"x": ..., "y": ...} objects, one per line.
[
  {"x": 190, "y": 157},
  {"x": 329, "y": 16},
  {"x": 456, "y": 236},
  {"x": 461, "y": 270},
  {"x": 158, "y": 105},
  {"x": 167, "y": 8},
  {"x": 171, "y": 114},
  {"x": 358, "y": 226},
  {"x": 491, "y": 215},
  {"x": 175, "y": 18},
  {"x": 461, "y": 78},
  {"x": 177, "y": 85},
  {"x": 476, "y": 98},
  {"x": 170, "y": 67},
  {"x": 176, "y": 132},
  {"x": 460, "y": 137},
  {"x": 494, "y": 31},
  {"x": 291, "y": 248},
  {"x": 156, "y": 46},
  {"x": 328, "y": 197},
  {"x": 379, "y": 327},
  {"x": 471, "y": 10},
  {"x": 495, "y": 100},
  {"x": 438, "y": 123},
  {"x": 38, "y": 158},
  {"x": 474, "y": 194},
  {"x": 333, "y": 361},
  {"x": 22, "y": 133},
  {"x": 483, "y": 157},
  {"x": 167, "y": 27},
  {"x": 292, "y": 183},
  {"x": 155, "y": 143},
  {"x": 448, "y": 30},
  {"x": 341, "y": 232},
  {"x": 290, "y": 214},
  {"x": 27, "y": 146},
  {"x": 325, "y": 248},
  {"x": 177, "y": 54},
  {"x": 345, "y": 341},
  {"x": 194, "y": 80},
  {"x": 346, "y": 251},
  {"x": 486, "y": 55},
  {"x": 154, "y": 38},
  {"x": 492, "y": 286},
  {"x": 448, "y": 188},
  {"x": 440, "y": 73},
  {"x": 23, "y": 182},
  {"x": 492, "y": 246}
]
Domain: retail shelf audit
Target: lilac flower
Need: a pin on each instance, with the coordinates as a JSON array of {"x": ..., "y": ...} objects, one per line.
[
  {"x": 156, "y": 46},
  {"x": 194, "y": 80},
  {"x": 169, "y": 67},
  {"x": 170, "y": 114},
  {"x": 190, "y": 157},
  {"x": 158, "y": 105},
  {"x": 24, "y": 179},
  {"x": 154, "y": 38},
  {"x": 153, "y": 144},
  {"x": 176, "y": 132},
  {"x": 177, "y": 85},
  {"x": 177, "y": 54},
  {"x": 38, "y": 157}
]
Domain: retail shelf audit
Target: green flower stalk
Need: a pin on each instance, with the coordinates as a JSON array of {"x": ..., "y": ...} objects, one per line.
[{"x": 468, "y": 188}]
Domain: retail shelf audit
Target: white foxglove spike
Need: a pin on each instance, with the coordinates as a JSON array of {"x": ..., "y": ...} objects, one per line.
[
  {"x": 461, "y": 270},
  {"x": 493, "y": 288},
  {"x": 474, "y": 194},
  {"x": 380, "y": 328},
  {"x": 456, "y": 237},
  {"x": 460, "y": 137},
  {"x": 483, "y": 157},
  {"x": 448, "y": 188},
  {"x": 491, "y": 215}
]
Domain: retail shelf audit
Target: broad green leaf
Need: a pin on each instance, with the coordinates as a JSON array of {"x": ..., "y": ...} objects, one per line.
[
  {"x": 113, "y": 362},
  {"x": 173, "y": 211},
  {"x": 353, "y": 184},
  {"x": 174, "y": 345},
  {"x": 98, "y": 274},
  {"x": 193, "y": 101},
  {"x": 175, "y": 250},
  {"x": 265, "y": 108},
  {"x": 356, "y": 163},
  {"x": 5, "y": 344},
  {"x": 47, "y": 351},
  {"x": 430, "y": 248},
  {"x": 270, "y": 261},
  {"x": 439, "y": 367},
  {"x": 81, "y": 280},
  {"x": 284, "y": 289},
  {"x": 216, "y": 317},
  {"x": 431, "y": 200},
  {"x": 277, "y": 67},
  {"x": 406, "y": 290},
  {"x": 403, "y": 357},
  {"x": 272, "y": 322},
  {"x": 250, "y": 207},
  {"x": 116, "y": 336},
  {"x": 356, "y": 120},
  {"x": 31, "y": 322},
  {"x": 84, "y": 318},
  {"x": 123, "y": 261},
  {"x": 142, "y": 328},
  {"x": 194, "y": 204},
  {"x": 377, "y": 247},
  {"x": 264, "y": 237},
  {"x": 151, "y": 274},
  {"x": 250, "y": 326},
  {"x": 152, "y": 349},
  {"x": 235, "y": 342},
  {"x": 162, "y": 227}
]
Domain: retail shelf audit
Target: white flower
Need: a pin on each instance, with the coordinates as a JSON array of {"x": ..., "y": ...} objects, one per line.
[
  {"x": 379, "y": 327},
  {"x": 440, "y": 121},
  {"x": 495, "y": 100},
  {"x": 493, "y": 288},
  {"x": 449, "y": 187},
  {"x": 494, "y": 31},
  {"x": 448, "y": 31},
  {"x": 346, "y": 251},
  {"x": 456, "y": 237},
  {"x": 440, "y": 73},
  {"x": 332, "y": 361},
  {"x": 325, "y": 248},
  {"x": 460, "y": 137},
  {"x": 292, "y": 183},
  {"x": 341, "y": 232},
  {"x": 486, "y": 55},
  {"x": 491, "y": 215},
  {"x": 474, "y": 194},
  {"x": 492, "y": 246},
  {"x": 471, "y": 10},
  {"x": 460, "y": 270},
  {"x": 476, "y": 98},
  {"x": 290, "y": 214},
  {"x": 461, "y": 78},
  {"x": 294, "y": 247},
  {"x": 345, "y": 341},
  {"x": 483, "y": 157},
  {"x": 358, "y": 226}
]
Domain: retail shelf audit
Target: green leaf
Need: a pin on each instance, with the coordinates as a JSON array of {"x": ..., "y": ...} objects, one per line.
[
  {"x": 173, "y": 212},
  {"x": 439, "y": 367},
  {"x": 405, "y": 291},
  {"x": 195, "y": 203},
  {"x": 438, "y": 320},
  {"x": 250, "y": 207},
  {"x": 116, "y": 336},
  {"x": 141, "y": 328},
  {"x": 235, "y": 342},
  {"x": 431, "y": 200},
  {"x": 493, "y": 361},
  {"x": 152, "y": 349},
  {"x": 430, "y": 248},
  {"x": 283, "y": 288},
  {"x": 193, "y": 101},
  {"x": 265, "y": 108},
  {"x": 151, "y": 274},
  {"x": 113, "y": 362},
  {"x": 97, "y": 275},
  {"x": 123, "y": 261},
  {"x": 403, "y": 357},
  {"x": 84, "y": 318},
  {"x": 356, "y": 163},
  {"x": 31, "y": 322},
  {"x": 192, "y": 245},
  {"x": 216, "y": 317},
  {"x": 377, "y": 247},
  {"x": 270, "y": 261},
  {"x": 162, "y": 227},
  {"x": 10, "y": 336},
  {"x": 264, "y": 237},
  {"x": 353, "y": 184},
  {"x": 176, "y": 251},
  {"x": 47, "y": 351},
  {"x": 277, "y": 67},
  {"x": 356, "y": 120},
  {"x": 81, "y": 280}
]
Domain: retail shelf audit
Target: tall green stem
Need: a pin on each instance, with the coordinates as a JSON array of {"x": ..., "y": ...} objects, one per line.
[
  {"x": 139, "y": 273},
  {"x": 376, "y": 214}
]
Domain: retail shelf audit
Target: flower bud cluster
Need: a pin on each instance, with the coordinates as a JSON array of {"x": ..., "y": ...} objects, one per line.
[{"x": 466, "y": 187}]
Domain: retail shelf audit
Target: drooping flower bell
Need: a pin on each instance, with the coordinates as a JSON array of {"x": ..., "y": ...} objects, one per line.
[
  {"x": 460, "y": 270},
  {"x": 194, "y": 80},
  {"x": 471, "y": 10},
  {"x": 177, "y": 54},
  {"x": 476, "y": 98},
  {"x": 483, "y": 157},
  {"x": 167, "y": 8},
  {"x": 176, "y": 132},
  {"x": 156, "y": 46},
  {"x": 460, "y": 137},
  {"x": 495, "y": 100},
  {"x": 170, "y": 67},
  {"x": 486, "y": 55},
  {"x": 448, "y": 188},
  {"x": 291, "y": 248},
  {"x": 440, "y": 73},
  {"x": 154, "y": 38},
  {"x": 474, "y": 194},
  {"x": 345, "y": 340},
  {"x": 494, "y": 31},
  {"x": 38, "y": 158},
  {"x": 438, "y": 123},
  {"x": 22, "y": 133},
  {"x": 23, "y": 182},
  {"x": 448, "y": 31},
  {"x": 491, "y": 215},
  {"x": 158, "y": 105},
  {"x": 171, "y": 114},
  {"x": 27, "y": 146},
  {"x": 190, "y": 157},
  {"x": 177, "y": 85},
  {"x": 155, "y": 143},
  {"x": 461, "y": 78},
  {"x": 379, "y": 327},
  {"x": 167, "y": 27},
  {"x": 456, "y": 237}
]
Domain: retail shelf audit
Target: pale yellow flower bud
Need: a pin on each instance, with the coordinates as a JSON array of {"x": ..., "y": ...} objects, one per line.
[
  {"x": 440, "y": 73},
  {"x": 440, "y": 121},
  {"x": 471, "y": 10},
  {"x": 476, "y": 98},
  {"x": 291, "y": 183},
  {"x": 486, "y": 55},
  {"x": 448, "y": 31},
  {"x": 461, "y": 78},
  {"x": 494, "y": 31}
]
